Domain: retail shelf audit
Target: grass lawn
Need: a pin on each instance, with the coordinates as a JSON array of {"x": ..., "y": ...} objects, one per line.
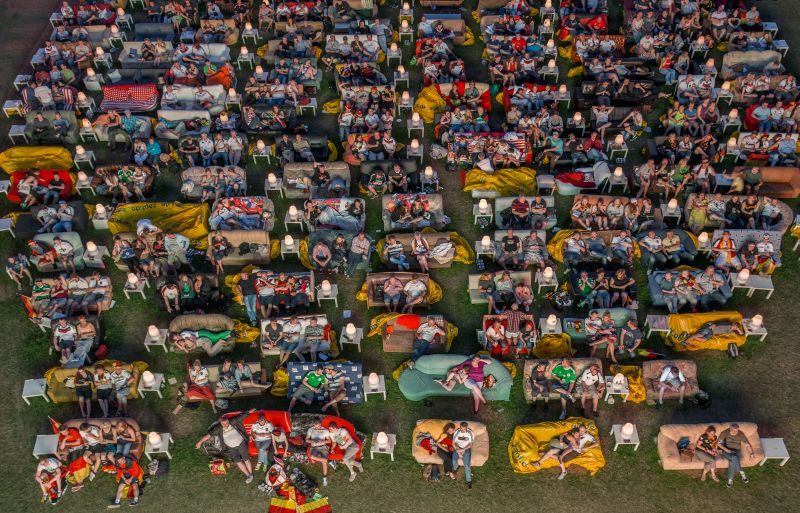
[{"x": 757, "y": 387}]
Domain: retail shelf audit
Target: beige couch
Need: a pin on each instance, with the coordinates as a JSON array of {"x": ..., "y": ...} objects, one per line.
[
  {"x": 651, "y": 372},
  {"x": 375, "y": 281},
  {"x": 433, "y": 238},
  {"x": 786, "y": 213},
  {"x": 472, "y": 284},
  {"x": 670, "y": 434},
  {"x": 738, "y": 95},
  {"x": 194, "y": 174},
  {"x": 435, "y": 207},
  {"x": 102, "y": 171},
  {"x": 779, "y": 181},
  {"x": 232, "y": 31},
  {"x": 579, "y": 364},
  {"x": 61, "y": 388},
  {"x": 294, "y": 172},
  {"x": 241, "y": 393},
  {"x": 259, "y": 238},
  {"x": 480, "y": 446}
]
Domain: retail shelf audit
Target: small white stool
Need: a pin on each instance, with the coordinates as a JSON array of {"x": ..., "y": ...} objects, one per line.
[
  {"x": 12, "y": 108},
  {"x": 95, "y": 260},
  {"x": 674, "y": 214},
  {"x": 21, "y": 81},
  {"x": 312, "y": 104},
  {"x": 546, "y": 182},
  {"x": 286, "y": 250},
  {"x": 162, "y": 448},
  {"x": 293, "y": 219},
  {"x": 481, "y": 250},
  {"x": 774, "y": 449},
  {"x": 750, "y": 330},
  {"x": 401, "y": 77},
  {"x": 411, "y": 126},
  {"x": 45, "y": 445},
  {"x": 657, "y": 323},
  {"x": 34, "y": 388},
  {"x": 543, "y": 283},
  {"x": 546, "y": 329},
  {"x": 387, "y": 449},
  {"x": 269, "y": 188},
  {"x": 619, "y": 439},
  {"x": 17, "y": 131},
  {"x": 356, "y": 340},
  {"x": 7, "y": 225},
  {"x": 245, "y": 59},
  {"x": 333, "y": 295},
  {"x": 620, "y": 390},
  {"x": 156, "y": 387},
  {"x": 380, "y": 389},
  {"x": 87, "y": 157},
  {"x": 161, "y": 340},
  {"x": 477, "y": 213},
  {"x": 138, "y": 289}
]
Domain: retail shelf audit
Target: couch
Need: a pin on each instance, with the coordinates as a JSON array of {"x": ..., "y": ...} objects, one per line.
[
  {"x": 354, "y": 384},
  {"x": 61, "y": 388},
  {"x": 137, "y": 448},
  {"x": 232, "y": 31},
  {"x": 657, "y": 298},
  {"x": 241, "y": 393},
  {"x": 194, "y": 174},
  {"x": 433, "y": 239},
  {"x": 409, "y": 167},
  {"x": 334, "y": 215},
  {"x": 252, "y": 205},
  {"x": 26, "y": 225},
  {"x": 244, "y": 254},
  {"x": 787, "y": 215},
  {"x": 328, "y": 236},
  {"x": 779, "y": 181},
  {"x": 418, "y": 383},
  {"x": 101, "y": 172},
  {"x": 100, "y": 128},
  {"x": 128, "y": 61},
  {"x": 73, "y": 238},
  {"x": 435, "y": 207},
  {"x": 733, "y": 63},
  {"x": 305, "y": 320},
  {"x": 211, "y": 322},
  {"x": 154, "y": 31},
  {"x": 503, "y": 203},
  {"x": 593, "y": 199},
  {"x": 671, "y": 459},
  {"x": 177, "y": 119},
  {"x": 398, "y": 335},
  {"x": 374, "y": 285},
  {"x": 72, "y": 131},
  {"x": 738, "y": 94},
  {"x": 619, "y": 315},
  {"x": 687, "y": 242},
  {"x": 472, "y": 284},
  {"x": 185, "y": 95},
  {"x": 579, "y": 364},
  {"x": 435, "y": 427},
  {"x": 651, "y": 373},
  {"x": 294, "y": 172}
]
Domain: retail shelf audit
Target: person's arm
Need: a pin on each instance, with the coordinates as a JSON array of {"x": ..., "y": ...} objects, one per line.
[{"x": 202, "y": 440}]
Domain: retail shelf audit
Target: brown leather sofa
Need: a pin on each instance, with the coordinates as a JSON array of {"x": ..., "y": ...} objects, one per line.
[
  {"x": 101, "y": 172},
  {"x": 433, "y": 238},
  {"x": 579, "y": 364}
]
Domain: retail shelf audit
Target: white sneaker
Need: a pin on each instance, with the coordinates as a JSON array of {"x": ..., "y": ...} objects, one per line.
[
  {"x": 249, "y": 479},
  {"x": 352, "y": 476},
  {"x": 562, "y": 475},
  {"x": 324, "y": 481}
]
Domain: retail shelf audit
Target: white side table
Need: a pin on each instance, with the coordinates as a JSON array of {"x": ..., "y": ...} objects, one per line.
[
  {"x": 293, "y": 219},
  {"x": 12, "y": 108},
  {"x": 45, "y": 445},
  {"x": 488, "y": 213},
  {"x": 667, "y": 212},
  {"x": 380, "y": 389},
  {"x": 278, "y": 181},
  {"x": 87, "y": 157},
  {"x": 161, "y": 340},
  {"x": 84, "y": 184},
  {"x": 34, "y": 388},
  {"x": 17, "y": 131},
  {"x": 619, "y": 439},
  {"x": 751, "y": 331},
  {"x": 333, "y": 295},
  {"x": 294, "y": 249},
  {"x": 481, "y": 250},
  {"x": 95, "y": 259},
  {"x": 758, "y": 282},
  {"x": 620, "y": 390},
  {"x": 155, "y": 388},
  {"x": 138, "y": 289},
  {"x": 356, "y": 340},
  {"x": 21, "y": 81},
  {"x": 387, "y": 449},
  {"x": 543, "y": 283},
  {"x": 7, "y": 225},
  {"x": 312, "y": 104},
  {"x": 657, "y": 323},
  {"x": 546, "y": 329},
  {"x": 547, "y": 182},
  {"x": 162, "y": 448},
  {"x": 419, "y": 153},
  {"x": 774, "y": 449},
  {"x": 419, "y": 125}
]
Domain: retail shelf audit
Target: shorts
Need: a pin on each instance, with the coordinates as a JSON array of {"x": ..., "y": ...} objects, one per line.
[
  {"x": 60, "y": 302},
  {"x": 84, "y": 393},
  {"x": 265, "y": 300},
  {"x": 705, "y": 332},
  {"x": 66, "y": 343},
  {"x": 239, "y": 453},
  {"x": 558, "y": 387},
  {"x": 303, "y": 393},
  {"x": 92, "y": 297},
  {"x": 122, "y": 395},
  {"x": 591, "y": 389},
  {"x": 96, "y": 449},
  {"x": 320, "y": 452},
  {"x": 472, "y": 384},
  {"x": 391, "y": 298},
  {"x": 103, "y": 393},
  {"x": 288, "y": 347},
  {"x": 512, "y": 334}
]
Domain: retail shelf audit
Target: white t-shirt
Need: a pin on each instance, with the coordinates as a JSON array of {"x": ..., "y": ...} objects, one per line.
[
  {"x": 589, "y": 379},
  {"x": 199, "y": 377},
  {"x": 260, "y": 431},
  {"x": 585, "y": 440},
  {"x": 463, "y": 439}
]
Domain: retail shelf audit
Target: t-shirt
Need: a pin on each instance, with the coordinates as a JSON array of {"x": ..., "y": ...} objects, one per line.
[
  {"x": 273, "y": 334},
  {"x": 588, "y": 379},
  {"x": 568, "y": 375},
  {"x": 732, "y": 441},
  {"x": 315, "y": 380},
  {"x": 121, "y": 380},
  {"x": 248, "y": 287},
  {"x": 586, "y": 439},
  {"x": 232, "y": 437},
  {"x": 314, "y": 331},
  {"x": 342, "y": 438},
  {"x": 49, "y": 465},
  {"x": 630, "y": 336},
  {"x": 260, "y": 431},
  {"x": 415, "y": 288},
  {"x": 463, "y": 438},
  {"x": 510, "y": 243},
  {"x": 427, "y": 332}
]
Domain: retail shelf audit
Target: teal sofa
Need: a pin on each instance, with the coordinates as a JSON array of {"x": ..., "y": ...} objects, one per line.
[
  {"x": 416, "y": 384},
  {"x": 619, "y": 315}
]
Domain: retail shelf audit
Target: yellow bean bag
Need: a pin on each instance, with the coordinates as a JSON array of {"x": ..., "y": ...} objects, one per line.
[
  {"x": 21, "y": 158},
  {"x": 553, "y": 346},
  {"x": 429, "y": 102},
  {"x": 682, "y": 326},
  {"x": 636, "y": 390},
  {"x": 506, "y": 182},
  {"x": 530, "y": 442}
]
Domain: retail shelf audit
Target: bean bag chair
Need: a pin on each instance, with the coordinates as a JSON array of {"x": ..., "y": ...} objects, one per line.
[
  {"x": 636, "y": 386},
  {"x": 45, "y": 175},
  {"x": 417, "y": 383},
  {"x": 530, "y": 442},
  {"x": 682, "y": 326},
  {"x": 422, "y": 445},
  {"x": 21, "y": 158},
  {"x": 58, "y": 379},
  {"x": 188, "y": 220},
  {"x": 503, "y": 182}
]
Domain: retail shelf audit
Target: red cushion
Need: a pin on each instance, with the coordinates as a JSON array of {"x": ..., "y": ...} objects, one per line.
[{"x": 45, "y": 175}]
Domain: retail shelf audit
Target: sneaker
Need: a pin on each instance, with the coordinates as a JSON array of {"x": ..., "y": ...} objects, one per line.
[
  {"x": 352, "y": 476},
  {"x": 134, "y": 502},
  {"x": 729, "y": 483},
  {"x": 92, "y": 475},
  {"x": 469, "y": 485},
  {"x": 744, "y": 477},
  {"x": 332, "y": 464},
  {"x": 114, "y": 504},
  {"x": 249, "y": 479},
  {"x": 562, "y": 475},
  {"x": 324, "y": 481},
  {"x": 563, "y": 415}
]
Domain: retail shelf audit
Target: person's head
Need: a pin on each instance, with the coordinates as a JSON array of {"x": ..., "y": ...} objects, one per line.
[
  {"x": 431, "y": 321},
  {"x": 196, "y": 364},
  {"x": 594, "y": 369},
  {"x": 734, "y": 429},
  {"x": 566, "y": 363},
  {"x": 631, "y": 323},
  {"x": 668, "y": 275},
  {"x": 711, "y": 430},
  {"x": 463, "y": 425},
  {"x": 318, "y": 369},
  {"x": 224, "y": 422}
]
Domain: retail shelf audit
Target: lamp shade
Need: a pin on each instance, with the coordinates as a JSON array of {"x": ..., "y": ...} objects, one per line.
[
  {"x": 85, "y": 123},
  {"x": 551, "y": 43},
  {"x": 154, "y": 439},
  {"x": 551, "y": 63},
  {"x": 618, "y": 172},
  {"x": 80, "y": 150},
  {"x": 99, "y": 51},
  {"x": 415, "y": 117},
  {"x": 260, "y": 144},
  {"x": 406, "y": 6},
  {"x": 734, "y": 113},
  {"x": 732, "y": 142},
  {"x": 401, "y": 70},
  {"x": 393, "y": 47},
  {"x": 414, "y": 144},
  {"x": 259, "y": 70},
  {"x": 486, "y": 241},
  {"x": 350, "y": 330},
  {"x": 244, "y": 51},
  {"x": 148, "y": 379},
  {"x": 483, "y": 205},
  {"x": 627, "y": 430},
  {"x": 133, "y": 280},
  {"x": 673, "y": 204},
  {"x": 272, "y": 180},
  {"x": 82, "y": 176},
  {"x": 100, "y": 210},
  {"x": 428, "y": 171},
  {"x": 703, "y": 237},
  {"x": 248, "y": 26},
  {"x": 374, "y": 380},
  {"x": 547, "y": 22},
  {"x": 404, "y": 25},
  {"x": 292, "y": 210},
  {"x": 577, "y": 117},
  {"x": 618, "y": 379},
  {"x": 548, "y": 4},
  {"x": 757, "y": 321},
  {"x": 153, "y": 331},
  {"x": 552, "y": 320},
  {"x": 289, "y": 241},
  {"x": 325, "y": 287},
  {"x": 562, "y": 89},
  {"x": 743, "y": 276},
  {"x": 90, "y": 72},
  {"x": 382, "y": 440},
  {"x": 232, "y": 92},
  {"x": 405, "y": 97},
  {"x": 619, "y": 140},
  {"x": 91, "y": 247},
  {"x": 726, "y": 86},
  {"x": 548, "y": 273}
]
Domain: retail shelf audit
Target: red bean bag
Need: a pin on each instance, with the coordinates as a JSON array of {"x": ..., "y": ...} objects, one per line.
[{"x": 45, "y": 175}]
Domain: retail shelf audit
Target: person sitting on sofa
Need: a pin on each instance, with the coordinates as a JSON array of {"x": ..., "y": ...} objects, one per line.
[
  {"x": 313, "y": 338},
  {"x": 313, "y": 383},
  {"x": 470, "y": 374},
  {"x": 394, "y": 253},
  {"x": 129, "y": 476},
  {"x": 558, "y": 446},
  {"x": 630, "y": 338},
  {"x": 564, "y": 383},
  {"x": 711, "y": 329},
  {"x": 592, "y": 385},
  {"x": 392, "y": 292},
  {"x": 335, "y": 386},
  {"x": 671, "y": 379},
  {"x": 65, "y": 254},
  {"x": 731, "y": 444},
  {"x": 463, "y": 439},
  {"x": 321, "y": 256},
  {"x": 415, "y": 292},
  {"x": 706, "y": 450},
  {"x": 424, "y": 336},
  {"x": 199, "y": 387},
  {"x": 63, "y": 338},
  {"x": 232, "y": 433}
]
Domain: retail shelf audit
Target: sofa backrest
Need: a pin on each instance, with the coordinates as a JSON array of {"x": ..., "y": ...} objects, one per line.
[
  {"x": 305, "y": 320},
  {"x": 742, "y": 237},
  {"x": 211, "y": 322},
  {"x": 517, "y": 276}
]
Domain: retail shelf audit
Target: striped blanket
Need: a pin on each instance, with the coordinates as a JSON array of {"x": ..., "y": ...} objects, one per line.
[{"x": 136, "y": 97}]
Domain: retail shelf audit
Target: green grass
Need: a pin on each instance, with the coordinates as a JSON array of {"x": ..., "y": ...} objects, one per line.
[{"x": 757, "y": 387}]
